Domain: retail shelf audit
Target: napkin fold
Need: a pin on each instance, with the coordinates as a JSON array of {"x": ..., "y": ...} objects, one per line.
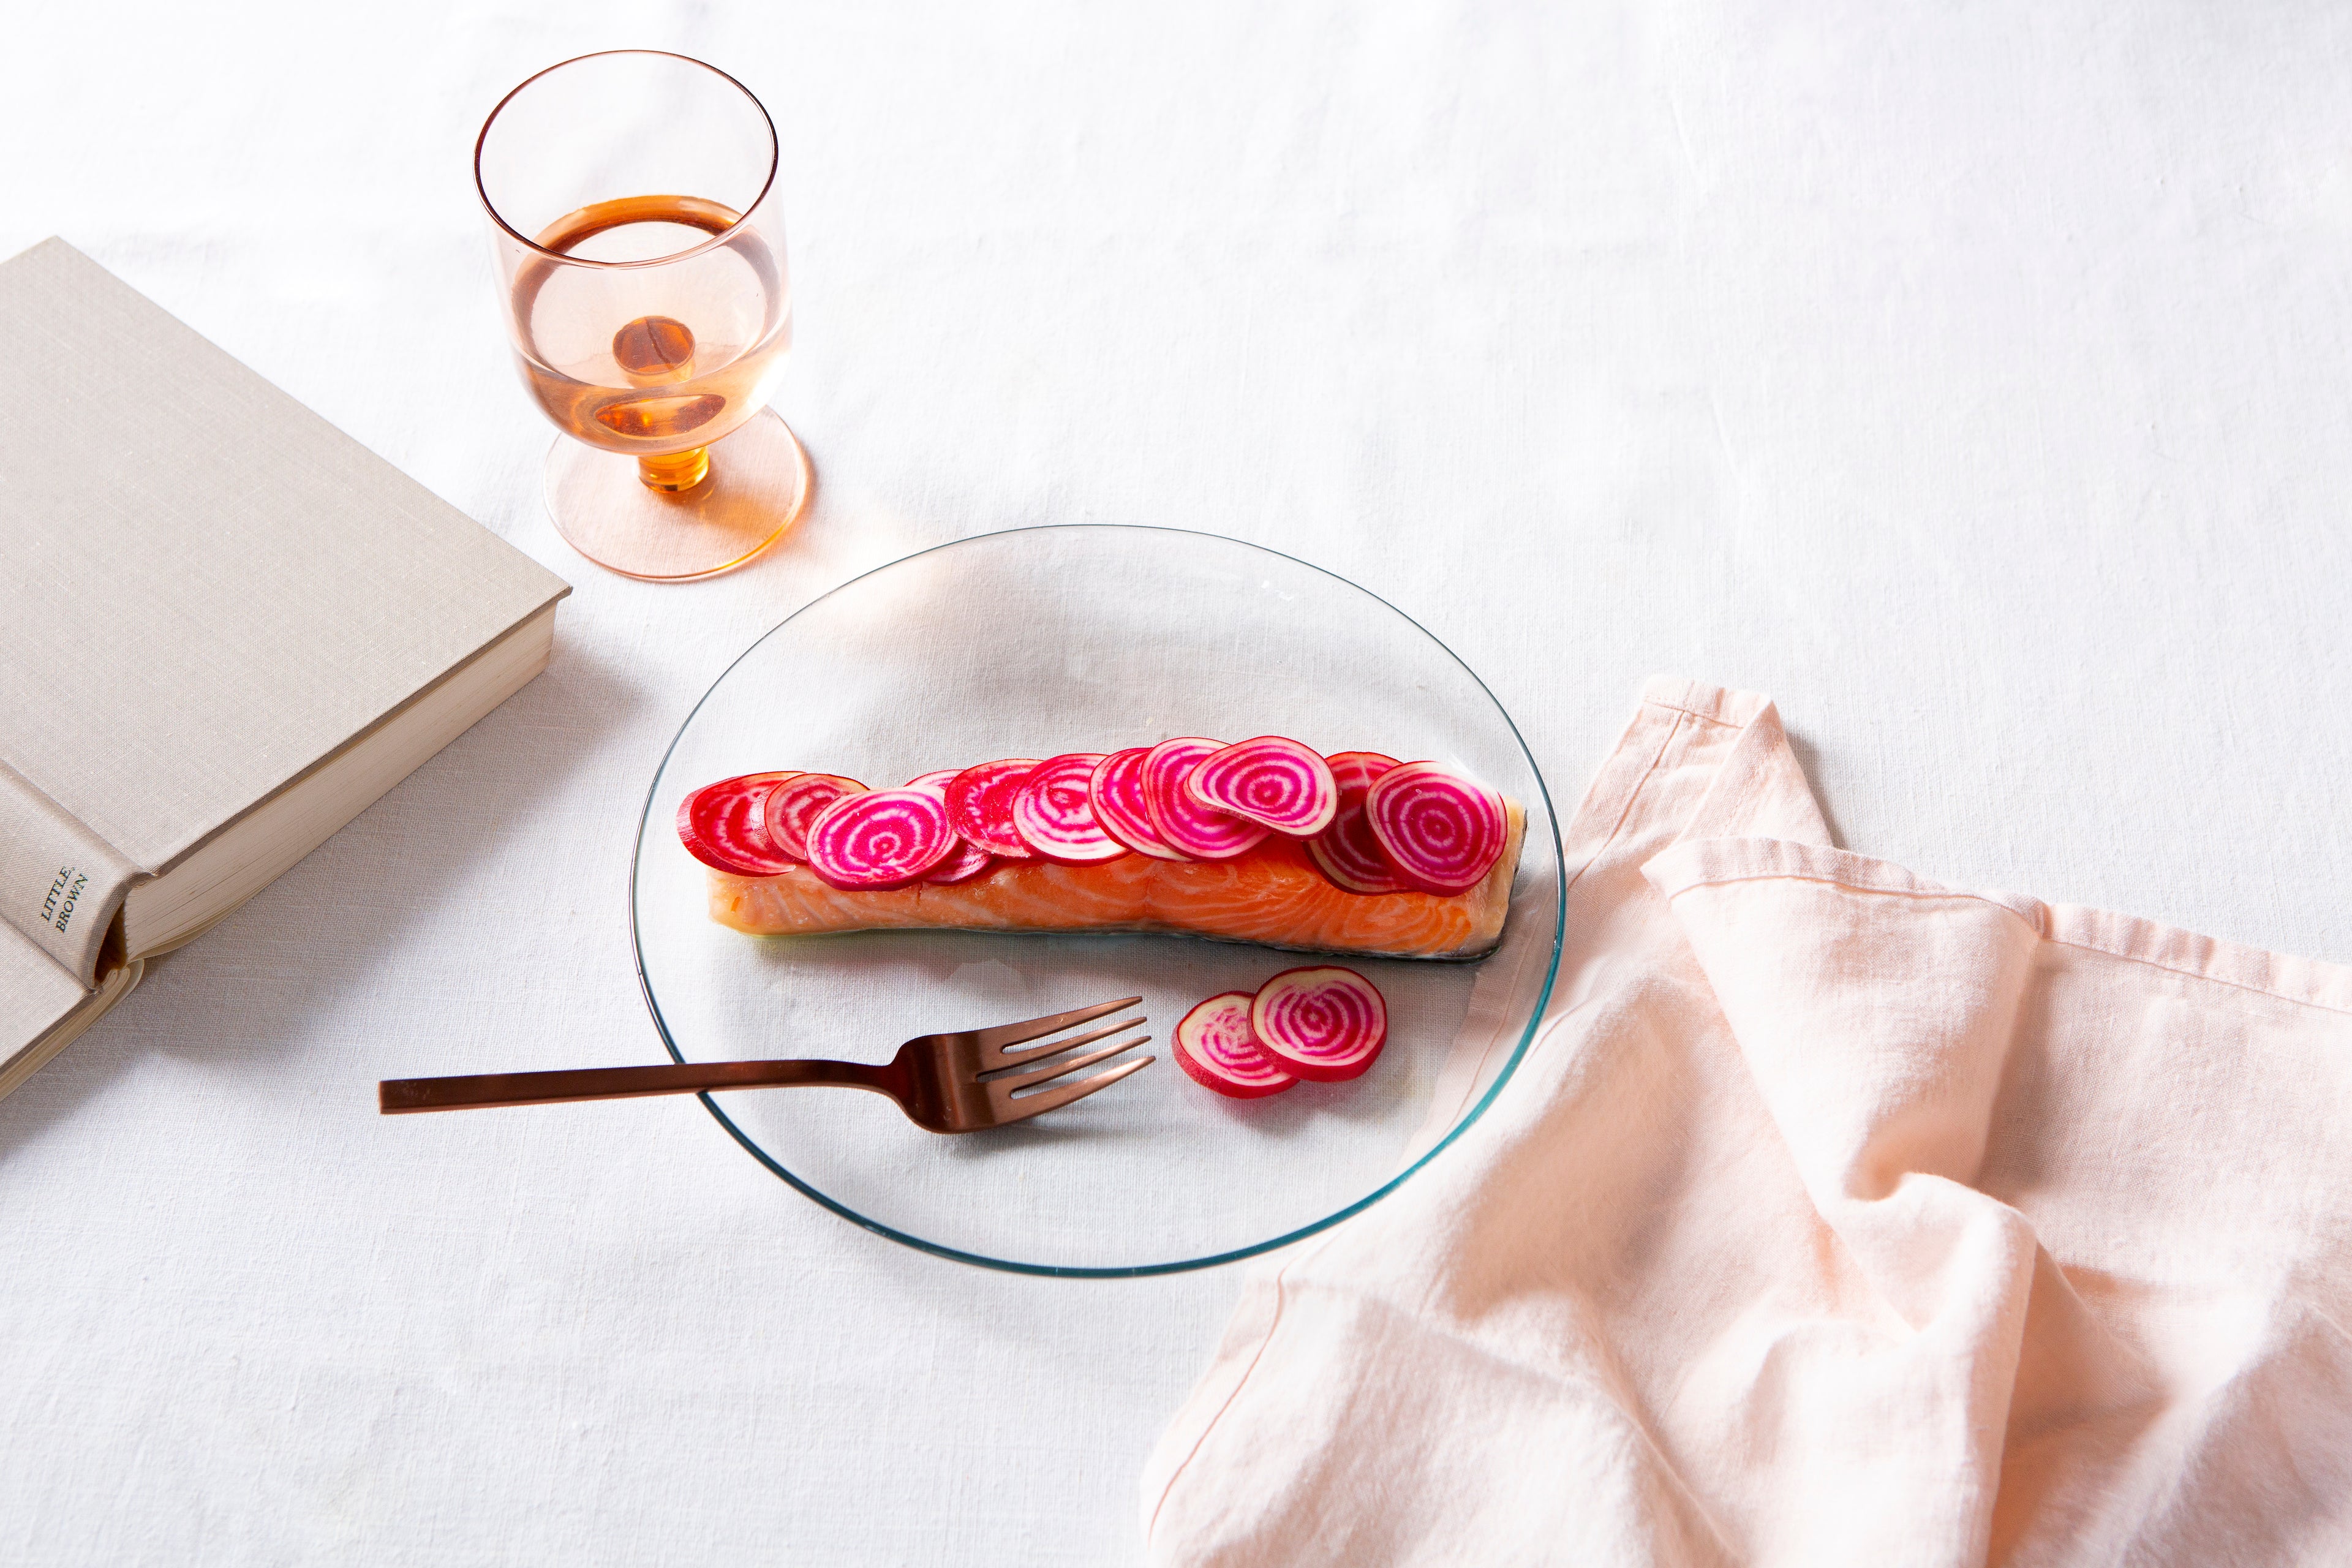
[{"x": 1835, "y": 1216}]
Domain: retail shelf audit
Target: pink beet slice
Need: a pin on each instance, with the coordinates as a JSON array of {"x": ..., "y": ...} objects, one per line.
[
  {"x": 794, "y": 805},
  {"x": 980, "y": 806},
  {"x": 1216, "y": 1050},
  {"x": 1442, "y": 832},
  {"x": 1116, "y": 793},
  {"x": 1270, "y": 780},
  {"x": 967, "y": 859},
  {"x": 723, "y": 825},
  {"x": 1347, "y": 851},
  {"x": 1203, "y": 832},
  {"x": 964, "y": 862},
  {"x": 1324, "y": 1022},
  {"x": 879, "y": 839},
  {"x": 1053, "y": 816}
]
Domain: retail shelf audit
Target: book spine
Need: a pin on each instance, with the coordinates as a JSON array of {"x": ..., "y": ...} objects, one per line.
[{"x": 60, "y": 884}]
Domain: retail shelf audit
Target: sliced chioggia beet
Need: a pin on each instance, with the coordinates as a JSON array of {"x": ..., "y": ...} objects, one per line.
[
  {"x": 1216, "y": 1050},
  {"x": 879, "y": 839},
  {"x": 980, "y": 806},
  {"x": 1273, "y": 782},
  {"x": 1325, "y": 1023},
  {"x": 794, "y": 803},
  {"x": 1053, "y": 816},
  {"x": 1442, "y": 832},
  {"x": 964, "y": 862},
  {"x": 724, "y": 825},
  {"x": 1200, "y": 832},
  {"x": 1116, "y": 793},
  {"x": 967, "y": 859},
  {"x": 1347, "y": 851}
]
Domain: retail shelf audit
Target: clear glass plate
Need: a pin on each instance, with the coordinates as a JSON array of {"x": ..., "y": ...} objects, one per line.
[{"x": 1083, "y": 638}]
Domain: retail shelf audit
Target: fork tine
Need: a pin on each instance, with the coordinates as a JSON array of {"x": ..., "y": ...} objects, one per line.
[
  {"x": 1055, "y": 1099},
  {"x": 1060, "y": 1067},
  {"x": 1011, "y": 1057},
  {"x": 1005, "y": 1034}
]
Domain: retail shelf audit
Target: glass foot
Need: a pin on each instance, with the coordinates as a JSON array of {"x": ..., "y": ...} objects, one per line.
[{"x": 759, "y": 483}]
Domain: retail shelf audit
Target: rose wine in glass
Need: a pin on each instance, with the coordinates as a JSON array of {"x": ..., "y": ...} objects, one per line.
[{"x": 631, "y": 203}]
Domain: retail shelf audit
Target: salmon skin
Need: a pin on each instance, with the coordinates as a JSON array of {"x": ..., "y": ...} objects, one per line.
[{"x": 1273, "y": 896}]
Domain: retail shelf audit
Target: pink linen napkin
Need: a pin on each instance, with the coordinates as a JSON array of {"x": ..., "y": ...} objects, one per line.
[{"x": 1836, "y": 1216}]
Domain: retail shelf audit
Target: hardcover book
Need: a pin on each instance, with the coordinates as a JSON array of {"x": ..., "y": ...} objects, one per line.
[{"x": 228, "y": 628}]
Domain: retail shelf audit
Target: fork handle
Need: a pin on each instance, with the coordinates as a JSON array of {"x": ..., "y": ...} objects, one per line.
[{"x": 398, "y": 1095}]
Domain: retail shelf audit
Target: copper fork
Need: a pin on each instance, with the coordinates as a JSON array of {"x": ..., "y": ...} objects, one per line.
[{"x": 948, "y": 1083}]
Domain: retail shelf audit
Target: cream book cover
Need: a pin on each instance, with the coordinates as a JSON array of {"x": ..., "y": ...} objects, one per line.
[{"x": 230, "y": 628}]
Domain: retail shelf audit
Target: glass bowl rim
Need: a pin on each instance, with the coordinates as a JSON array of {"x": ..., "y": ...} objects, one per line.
[
  {"x": 1122, "y": 1271},
  {"x": 767, "y": 187}
]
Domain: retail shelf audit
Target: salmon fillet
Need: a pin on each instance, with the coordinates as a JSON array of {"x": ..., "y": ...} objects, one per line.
[{"x": 1273, "y": 896}]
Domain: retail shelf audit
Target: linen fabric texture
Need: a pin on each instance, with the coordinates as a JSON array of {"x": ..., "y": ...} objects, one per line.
[{"x": 1834, "y": 1215}]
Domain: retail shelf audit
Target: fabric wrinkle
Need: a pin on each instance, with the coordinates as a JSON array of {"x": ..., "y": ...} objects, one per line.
[{"x": 1836, "y": 1216}]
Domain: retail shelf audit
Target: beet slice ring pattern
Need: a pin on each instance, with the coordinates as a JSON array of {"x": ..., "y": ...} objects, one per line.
[
  {"x": 964, "y": 862},
  {"x": 1442, "y": 832},
  {"x": 1216, "y": 1050},
  {"x": 980, "y": 806},
  {"x": 934, "y": 782},
  {"x": 1053, "y": 816},
  {"x": 794, "y": 803},
  {"x": 1200, "y": 831},
  {"x": 967, "y": 859},
  {"x": 1325, "y": 1023},
  {"x": 879, "y": 839},
  {"x": 1272, "y": 780},
  {"x": 1347, "y": 851},
  {"x": 723, "y": 826},
  {"x": 1116, "y": 793}
]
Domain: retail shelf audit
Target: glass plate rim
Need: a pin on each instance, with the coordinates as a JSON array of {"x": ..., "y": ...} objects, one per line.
[{"x": 1136, "y": 1270}]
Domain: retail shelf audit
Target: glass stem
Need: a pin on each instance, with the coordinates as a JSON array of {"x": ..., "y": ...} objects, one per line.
[{"x": 679, "y": 471}]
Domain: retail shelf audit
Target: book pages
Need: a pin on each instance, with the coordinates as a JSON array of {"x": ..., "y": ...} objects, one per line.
[{"x": 35, "y": 994}]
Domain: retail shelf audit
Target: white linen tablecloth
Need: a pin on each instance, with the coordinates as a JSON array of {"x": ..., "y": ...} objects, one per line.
[{"x": 1971, "y": 377}]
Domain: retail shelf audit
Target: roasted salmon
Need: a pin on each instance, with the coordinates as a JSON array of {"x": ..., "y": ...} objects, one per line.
[{"x": 1272, "y": 895}]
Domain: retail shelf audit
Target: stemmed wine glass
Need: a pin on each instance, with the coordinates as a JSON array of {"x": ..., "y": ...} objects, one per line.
[{"x": 633, "y": 210}]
